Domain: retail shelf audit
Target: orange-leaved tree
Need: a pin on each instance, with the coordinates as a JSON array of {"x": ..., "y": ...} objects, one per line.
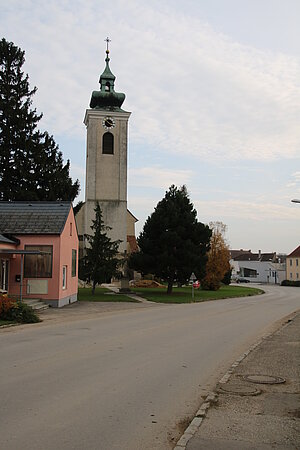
[{"x": 218, "y": 258}]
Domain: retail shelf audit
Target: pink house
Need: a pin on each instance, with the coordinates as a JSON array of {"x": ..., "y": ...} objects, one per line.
[{"x": 39, "y": 251}]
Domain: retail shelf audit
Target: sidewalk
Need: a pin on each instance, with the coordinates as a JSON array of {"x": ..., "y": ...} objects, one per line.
[{"x": 245, "y": 415}]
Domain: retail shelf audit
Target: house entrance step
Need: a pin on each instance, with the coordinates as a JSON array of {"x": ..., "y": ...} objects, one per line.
[{"x": 36, "y": 304}]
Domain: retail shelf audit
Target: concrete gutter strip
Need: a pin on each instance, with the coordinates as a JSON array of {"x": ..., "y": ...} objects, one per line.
[{"x": 196, "y": 422}]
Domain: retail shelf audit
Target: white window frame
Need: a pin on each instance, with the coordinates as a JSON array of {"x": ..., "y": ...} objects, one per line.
[{"x": 64, "y": 277}]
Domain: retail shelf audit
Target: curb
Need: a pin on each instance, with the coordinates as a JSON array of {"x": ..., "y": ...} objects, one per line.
[
  {"x": 196, "y": 422},
  {"x": 212, "y": 397},
  {"x": 9, "y": 325}
]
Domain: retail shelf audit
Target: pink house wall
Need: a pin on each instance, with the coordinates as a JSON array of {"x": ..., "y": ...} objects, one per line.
[
  {"x": 15, "y": 266},
  {"x": 68, "y": 242},
  {"x": 62, "y": 256},
  {"x": 3, "y": 245}
]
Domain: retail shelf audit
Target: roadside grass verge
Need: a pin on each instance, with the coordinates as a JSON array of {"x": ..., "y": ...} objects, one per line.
[
  {"x": 7, "y": 322},
  {"x": 184, "y": 294},
  {"x": 102, "y": 295}
]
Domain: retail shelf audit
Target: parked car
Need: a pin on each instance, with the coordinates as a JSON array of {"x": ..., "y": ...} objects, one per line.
[{"x": 242, "y": 280}]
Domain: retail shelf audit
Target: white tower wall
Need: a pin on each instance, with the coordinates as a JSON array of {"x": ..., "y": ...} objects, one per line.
[{"x": 106, "y": 175}]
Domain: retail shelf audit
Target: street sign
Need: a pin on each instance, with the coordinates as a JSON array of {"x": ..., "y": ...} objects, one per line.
[{"x": 193, "y": 277}]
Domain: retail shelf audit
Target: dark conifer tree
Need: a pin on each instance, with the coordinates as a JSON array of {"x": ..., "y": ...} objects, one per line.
[
  {"x": 31, "y": 165},
  {"x": 173, "y": 244},
  {"x": 100, "y": 263}
]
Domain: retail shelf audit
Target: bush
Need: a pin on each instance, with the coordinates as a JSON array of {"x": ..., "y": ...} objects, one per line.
[
  {"x": 13, "y": 311},
  {"x": 290, "y": 283},
  {"x": 6, "y": 304},
  {"x": 227, "y": 277},
  {"x": 210, "y": 284},
  {"x": 26, "y": 314}
]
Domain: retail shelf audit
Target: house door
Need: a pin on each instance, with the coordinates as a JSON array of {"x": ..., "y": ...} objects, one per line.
[{"x": 4, "y": 274}]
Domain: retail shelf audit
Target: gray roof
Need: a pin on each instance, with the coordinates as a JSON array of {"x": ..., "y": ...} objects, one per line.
[
  {"x": 33, "y": 217},
  {"x": 256, "y": 257}
]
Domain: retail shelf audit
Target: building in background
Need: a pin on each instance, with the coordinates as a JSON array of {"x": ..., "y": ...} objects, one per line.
[
  {"x": 257, "y": 267},
  {"x": 293, "y": 265}
]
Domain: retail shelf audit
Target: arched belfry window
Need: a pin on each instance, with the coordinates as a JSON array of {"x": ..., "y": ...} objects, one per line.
[
  {"x": 108, "y": 144},
  {"x": 107, "y": 87}
]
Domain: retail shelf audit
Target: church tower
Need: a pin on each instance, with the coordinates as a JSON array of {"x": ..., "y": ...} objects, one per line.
[{"x": 106, "y": 158}]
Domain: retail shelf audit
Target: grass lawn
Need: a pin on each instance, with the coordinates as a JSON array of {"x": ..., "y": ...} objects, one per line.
[
  {"x": 6, "y": 322},
  {"x": 184, "y": 294},
  {"x": 102, "y": 295}
]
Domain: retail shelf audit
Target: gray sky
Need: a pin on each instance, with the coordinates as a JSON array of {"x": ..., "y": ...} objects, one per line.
[{"x": 214, "y": 90}]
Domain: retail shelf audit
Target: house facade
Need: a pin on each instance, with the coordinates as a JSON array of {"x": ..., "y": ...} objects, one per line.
[
  {"x": 257, "y": 267},
  {"x": 293, "y": 265},
  {"x": 39, "y": 251}
]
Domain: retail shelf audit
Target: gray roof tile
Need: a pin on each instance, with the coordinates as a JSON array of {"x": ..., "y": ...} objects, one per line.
[{"x": 33, "y": 217}]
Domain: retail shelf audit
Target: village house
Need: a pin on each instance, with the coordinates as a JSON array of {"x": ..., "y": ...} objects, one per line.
[
  {"x": 39, "y": 251},
  {"x": 293, "y": 265},
  {"x": 257, "y": 267}
]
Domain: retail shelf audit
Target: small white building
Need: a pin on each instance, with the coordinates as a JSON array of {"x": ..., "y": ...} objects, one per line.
[{"x": 257, "y": 267}]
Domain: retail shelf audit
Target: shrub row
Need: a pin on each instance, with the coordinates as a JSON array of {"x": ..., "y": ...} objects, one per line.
[
  {"x": 14, "y": 311},
  {"x": 290, "y": 283}
]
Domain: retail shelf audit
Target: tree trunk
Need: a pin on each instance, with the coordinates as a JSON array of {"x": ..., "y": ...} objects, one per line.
[
  {"x": 170, "y": 286},
  {"x": 94, "y": 287}
]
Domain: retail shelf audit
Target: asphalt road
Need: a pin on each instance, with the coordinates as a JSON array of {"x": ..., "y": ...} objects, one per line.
[{"x": 124, "y": 380}]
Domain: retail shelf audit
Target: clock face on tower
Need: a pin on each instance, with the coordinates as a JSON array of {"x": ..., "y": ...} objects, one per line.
[{"x": 108, "y": 123}]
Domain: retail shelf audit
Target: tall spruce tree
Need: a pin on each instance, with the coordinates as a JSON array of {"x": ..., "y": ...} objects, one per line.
[
  {"x": 173, "y": 244},
  {"x": 100, "y": 263},
  {"x": 31, "y": 165}
]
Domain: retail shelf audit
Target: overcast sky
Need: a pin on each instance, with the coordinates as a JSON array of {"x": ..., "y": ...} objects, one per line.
[{"x": 214, "y": 91}]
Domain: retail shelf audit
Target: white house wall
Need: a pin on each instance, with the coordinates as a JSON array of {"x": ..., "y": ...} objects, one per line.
[{"x": 267, "y": 272}]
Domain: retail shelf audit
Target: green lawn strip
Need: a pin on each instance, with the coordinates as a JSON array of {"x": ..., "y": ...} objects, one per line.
[
  {"x": 102, "y": 295},
  {"x": 7, "y": 322},
  {"x": 184, "y": 294}
]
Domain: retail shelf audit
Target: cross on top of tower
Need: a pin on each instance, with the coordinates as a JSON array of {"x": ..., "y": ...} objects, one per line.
[
  {"x": 107, "y": 40},
  {"x": 107, "y": 98}
]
